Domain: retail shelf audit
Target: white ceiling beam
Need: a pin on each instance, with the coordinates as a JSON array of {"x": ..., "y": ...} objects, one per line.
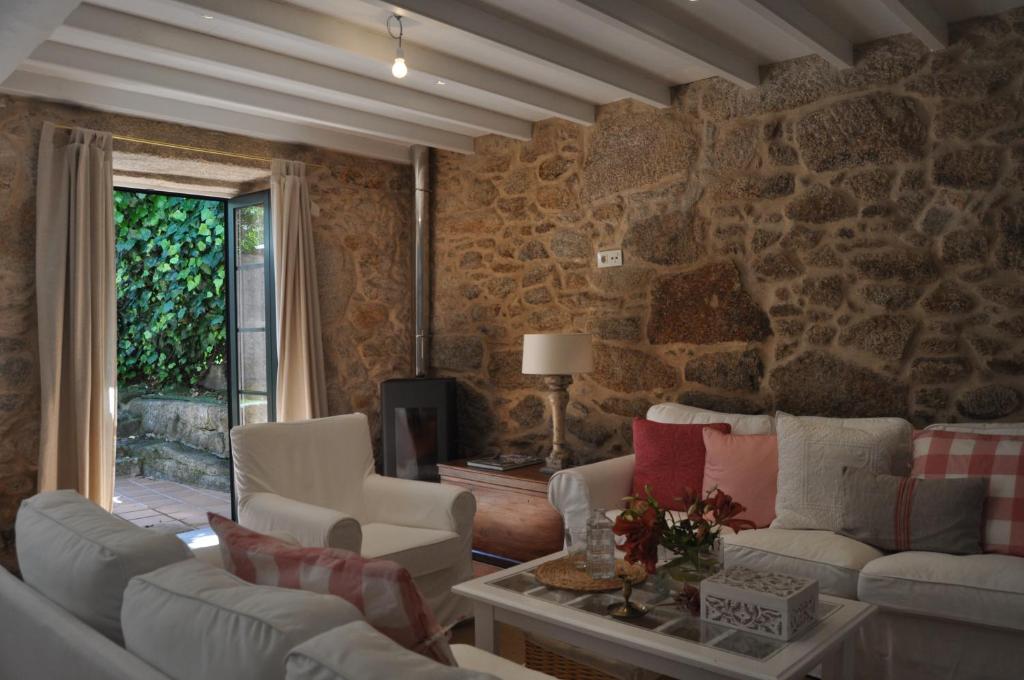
[
  {"x": 545, "y": 47},
  {"x": 922, "y": 19},
  {"x": 26, "y": 24},
  {"x": 649, "y": 24},
  {"x": 65, "y": 61},
  {"x": 105, "y": 30},
  {"x": 804, "y": 27},
  {"x": 317, "y": 37},
  {"x": 207, "y": 117}
]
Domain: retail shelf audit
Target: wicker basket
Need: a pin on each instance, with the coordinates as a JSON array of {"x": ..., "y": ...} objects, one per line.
[{"x": 569, "y": 663}]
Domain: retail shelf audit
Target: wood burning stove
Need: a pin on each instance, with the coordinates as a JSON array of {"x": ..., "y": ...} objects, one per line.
[
  {"x": 419, "y": 426},
  {"x": 419, "y": 413}
]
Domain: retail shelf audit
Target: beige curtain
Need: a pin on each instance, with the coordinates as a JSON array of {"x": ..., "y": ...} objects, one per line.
[
  {"x": 301, "y": 385},
  {"x": 76, "y": 304}
]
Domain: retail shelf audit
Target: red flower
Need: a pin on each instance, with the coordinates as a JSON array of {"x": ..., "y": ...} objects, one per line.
[
  {"x": 723, "y": 510},
  {"x": 689, "y": 599},
  {"x": 642, "y": 526}
]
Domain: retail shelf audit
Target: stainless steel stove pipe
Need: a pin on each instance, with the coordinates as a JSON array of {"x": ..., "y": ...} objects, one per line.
[{"x": 421, "y": 264}]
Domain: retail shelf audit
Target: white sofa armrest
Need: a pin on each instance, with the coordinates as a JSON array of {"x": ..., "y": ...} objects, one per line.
[
  {"x": 424, "y": 505},
  {"x": 576, "y": 491},
  {"x": 311, "y": 525}
]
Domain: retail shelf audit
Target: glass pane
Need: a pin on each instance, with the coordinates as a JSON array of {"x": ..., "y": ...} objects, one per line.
[
  {"x": 416, "y": 442},
  {"x": 251, "y": 298},
  {"x": 252, "y": 409},
  {"x": 249, "y": 234},
  {"x": 252, "y": 361}
]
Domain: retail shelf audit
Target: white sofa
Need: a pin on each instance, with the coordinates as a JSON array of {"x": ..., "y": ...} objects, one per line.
[
  {"x": 86, "y": 575},
  {"x": 941, "y": 616}
]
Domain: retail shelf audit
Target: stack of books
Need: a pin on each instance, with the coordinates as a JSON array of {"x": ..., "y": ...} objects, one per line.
[{"x": 504, "y": 461}]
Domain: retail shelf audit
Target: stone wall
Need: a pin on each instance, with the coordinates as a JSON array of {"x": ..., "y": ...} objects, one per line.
[
  {"x": 362, "y": 232},
  {"x": 842, "y": 243}
]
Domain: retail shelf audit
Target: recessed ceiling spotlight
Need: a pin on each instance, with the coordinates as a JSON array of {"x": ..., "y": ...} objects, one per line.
[
  {"x": 207, "y": 16},
  {"x": 440, "y": 82},
  {"x": 398, "y": 68}
]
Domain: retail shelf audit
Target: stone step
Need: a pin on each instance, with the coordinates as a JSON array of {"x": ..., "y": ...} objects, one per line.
[
  {"x": 177, "y": 462},
  {"x": 126, "y": 466},
  {"x": 199, "y": 423},
  {"x": 128, "y": 424}
]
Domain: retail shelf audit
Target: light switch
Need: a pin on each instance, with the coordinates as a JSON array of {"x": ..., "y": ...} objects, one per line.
[{"x": 609, "y": 258}]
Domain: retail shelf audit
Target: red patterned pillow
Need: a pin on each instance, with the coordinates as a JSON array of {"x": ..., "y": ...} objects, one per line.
[
  {"x": 382, "y": 590},
  {"x": 669, "y": 459},
  {"x": 1000, "y": 459}
]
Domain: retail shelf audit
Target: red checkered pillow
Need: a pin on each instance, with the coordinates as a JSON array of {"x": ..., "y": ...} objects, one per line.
[
  {"x": 382, "y": 590},
  {"x": 1000, "y": 458}
]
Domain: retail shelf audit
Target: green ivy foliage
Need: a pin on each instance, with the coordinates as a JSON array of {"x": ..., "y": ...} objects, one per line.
[{"x": 171, "y": 307}]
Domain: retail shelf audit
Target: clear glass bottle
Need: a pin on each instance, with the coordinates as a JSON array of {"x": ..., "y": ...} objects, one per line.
[{"x": 600, "y": 546}]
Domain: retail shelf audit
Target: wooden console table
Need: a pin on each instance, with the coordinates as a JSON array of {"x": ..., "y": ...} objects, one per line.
[{"x": 514, "y": 520}]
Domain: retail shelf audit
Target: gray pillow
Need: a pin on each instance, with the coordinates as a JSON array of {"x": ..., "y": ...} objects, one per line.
[{"x": 905, "y": 513}]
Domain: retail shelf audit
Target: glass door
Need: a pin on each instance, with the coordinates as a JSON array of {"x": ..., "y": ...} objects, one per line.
[{"x": 251, "y": 322}]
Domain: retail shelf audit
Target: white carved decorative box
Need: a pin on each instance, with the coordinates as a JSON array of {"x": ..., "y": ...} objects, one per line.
[{"x": 766, "y": 603}]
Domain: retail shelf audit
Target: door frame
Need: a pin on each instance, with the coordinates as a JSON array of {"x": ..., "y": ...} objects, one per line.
[{"x": 228, "y": 348}]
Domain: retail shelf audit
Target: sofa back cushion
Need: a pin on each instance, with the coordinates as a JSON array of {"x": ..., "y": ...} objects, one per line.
[
  {"x": 746, "y": 468},
  {"x": 999, "y": 459},
  {"x": 192, "y": 620},
  {"x": 382, "y": 590},
  {"x": 669, "y": 460},
  {"x": 896, "y": 514},
  {"x": 1013, "y": 429},
  {"x": 681, "y": 414},
  {"x": 812, "y": 454},
  {"x": 322, "y": 462},
  {"x": 358, "y": 652},
  {"x": 81, "y": 557}
]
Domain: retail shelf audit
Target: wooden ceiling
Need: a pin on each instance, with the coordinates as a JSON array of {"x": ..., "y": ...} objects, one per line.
[{"x": 319, "y": 71}]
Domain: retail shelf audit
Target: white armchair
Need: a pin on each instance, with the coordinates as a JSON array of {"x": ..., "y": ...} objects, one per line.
[{"x": 315, "y": 480}]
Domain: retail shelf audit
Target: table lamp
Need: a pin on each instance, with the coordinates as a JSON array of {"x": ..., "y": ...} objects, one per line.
[{"x": 557, "y": 356}]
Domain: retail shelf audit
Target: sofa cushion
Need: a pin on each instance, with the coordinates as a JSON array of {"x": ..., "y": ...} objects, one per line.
[
  {"x": 999, "y": 459},
  {"x": 357, "y": 652},
  {"x": 905, "y": 513},
  {"x": 669, "y": 460},
  {"x": 983, "y": 589},
  {"x": 746, "y": 467},
  {"x": 421, "y": 551},
  {"x": 812, "y": 454},
  {"x": 682, "y": 414},
  {"x": 382, "y": 590},
  {"x": 979, "y": 428},
  {"x": 62, "y": 533},
  {"x": 834, "y": 561},
  {"x": 191, "y": 621}
]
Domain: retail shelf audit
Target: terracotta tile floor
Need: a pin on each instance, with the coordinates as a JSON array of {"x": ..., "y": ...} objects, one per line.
[{"x": 166, "y": 506}]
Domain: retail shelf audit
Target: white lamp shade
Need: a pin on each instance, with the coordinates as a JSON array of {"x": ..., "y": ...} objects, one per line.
[{"x": 557, "y": 353}]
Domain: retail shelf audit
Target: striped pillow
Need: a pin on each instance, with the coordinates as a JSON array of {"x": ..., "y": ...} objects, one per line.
[
  {"x": 906, "y": 513},
  {"x": 382, "y": 590},
  {"x": 999, "y": 459}
]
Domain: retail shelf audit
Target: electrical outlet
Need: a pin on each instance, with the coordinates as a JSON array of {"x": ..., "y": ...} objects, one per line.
[{"x": 609, "y": 258}]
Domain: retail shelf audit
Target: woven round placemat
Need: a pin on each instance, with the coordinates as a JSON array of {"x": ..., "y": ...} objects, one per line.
[{"x": 561, "y": 574}]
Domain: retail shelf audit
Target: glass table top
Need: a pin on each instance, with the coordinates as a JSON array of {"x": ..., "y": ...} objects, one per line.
[{"x": 665, "y": 616}]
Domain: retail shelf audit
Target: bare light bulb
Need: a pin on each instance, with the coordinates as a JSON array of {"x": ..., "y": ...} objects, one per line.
[{"x": 398, "y": 68}]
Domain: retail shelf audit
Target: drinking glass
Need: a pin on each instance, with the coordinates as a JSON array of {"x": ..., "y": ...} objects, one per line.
[{"x": 576, "y": 545}]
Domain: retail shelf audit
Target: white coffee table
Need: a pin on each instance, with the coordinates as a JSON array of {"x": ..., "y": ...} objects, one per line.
[{"x": 668, "y": 640}]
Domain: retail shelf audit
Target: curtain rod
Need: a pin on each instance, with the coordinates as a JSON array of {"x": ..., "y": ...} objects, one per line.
[{"x": 185, "y": 147}]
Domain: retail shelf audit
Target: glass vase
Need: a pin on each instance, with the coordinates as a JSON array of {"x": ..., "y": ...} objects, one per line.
[{"x": 693, "y": 566}]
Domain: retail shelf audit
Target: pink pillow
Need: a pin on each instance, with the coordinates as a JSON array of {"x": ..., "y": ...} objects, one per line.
[
  {"x": 382, "y": 590},
  {"x": 746, "y": 467},
  {"x": 669, "y": 459}
]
